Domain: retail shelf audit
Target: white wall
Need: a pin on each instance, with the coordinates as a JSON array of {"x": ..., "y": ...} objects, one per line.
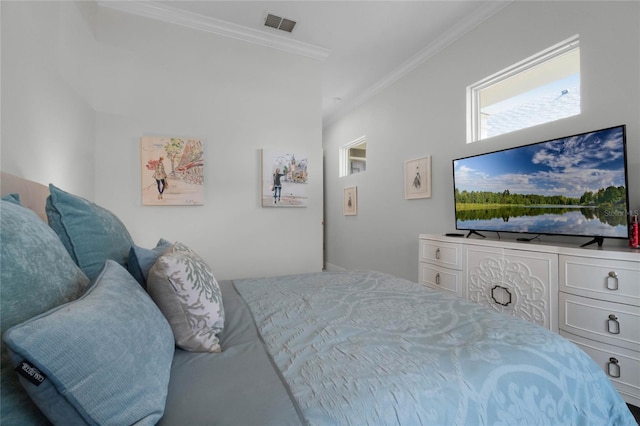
[
  {"x": 47, "y": 126},
  {"x": 137, "y": 76},
  {"x": 424, "y": 114}
]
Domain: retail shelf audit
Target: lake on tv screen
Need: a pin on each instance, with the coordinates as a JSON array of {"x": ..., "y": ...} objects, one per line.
[{"x": 567, "y": 220}]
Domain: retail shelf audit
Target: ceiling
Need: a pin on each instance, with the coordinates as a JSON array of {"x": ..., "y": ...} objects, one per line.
[{"x": 364, "y": 46}]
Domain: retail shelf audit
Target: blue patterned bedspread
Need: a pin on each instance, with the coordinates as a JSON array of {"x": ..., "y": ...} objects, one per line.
[{"x": 362, "y": 348}]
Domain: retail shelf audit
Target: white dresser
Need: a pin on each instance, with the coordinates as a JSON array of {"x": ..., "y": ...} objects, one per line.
[{"x": 589, "y": 295}]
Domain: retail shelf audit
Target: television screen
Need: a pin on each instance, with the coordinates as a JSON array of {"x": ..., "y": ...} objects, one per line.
[{"x": 575, "y": 185}]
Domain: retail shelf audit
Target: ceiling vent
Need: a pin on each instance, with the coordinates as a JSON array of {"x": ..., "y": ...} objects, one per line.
[{"x": 279, "y": 23}]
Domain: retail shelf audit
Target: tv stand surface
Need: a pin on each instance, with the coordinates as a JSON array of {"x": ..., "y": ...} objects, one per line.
[{"x": 589, "y": 295}]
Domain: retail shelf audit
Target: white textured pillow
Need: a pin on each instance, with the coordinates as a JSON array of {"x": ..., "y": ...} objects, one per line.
[{"x": 187, "y": 293}]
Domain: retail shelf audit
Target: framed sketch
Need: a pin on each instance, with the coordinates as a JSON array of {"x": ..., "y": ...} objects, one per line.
[
  {"x": 172, "y": 171},
  {"x": 417, "y": 178},
  {"x": 284, "y": 179},
  {"x": 350, "y": 207}
]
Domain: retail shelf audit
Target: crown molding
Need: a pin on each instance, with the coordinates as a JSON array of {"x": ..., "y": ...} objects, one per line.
[
  {"x": 446, "y": 39},
  {"x": 208, "y": 24}
]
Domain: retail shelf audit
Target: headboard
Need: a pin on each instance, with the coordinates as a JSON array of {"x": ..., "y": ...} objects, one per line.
[{"x": 33, "y": 195}]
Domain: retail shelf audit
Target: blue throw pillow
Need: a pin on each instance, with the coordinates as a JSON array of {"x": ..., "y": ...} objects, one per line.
[
  {"x": 104, "y": 358},
  {"x": 37, "y": 274},
  {"x": 91, "y": 234},
  {"x": 13, "y": 198},
  {"x": 142, "y": 259}
]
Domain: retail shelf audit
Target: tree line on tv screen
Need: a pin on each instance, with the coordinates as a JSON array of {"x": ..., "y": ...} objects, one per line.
[
  {"x": 612, "y": 217},
  {"x": 612, "y": 196}
]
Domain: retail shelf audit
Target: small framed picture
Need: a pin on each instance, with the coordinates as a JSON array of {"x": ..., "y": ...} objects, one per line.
[
  {"x": 350, "y": 201},
  {"x": 417, "y": 178}
]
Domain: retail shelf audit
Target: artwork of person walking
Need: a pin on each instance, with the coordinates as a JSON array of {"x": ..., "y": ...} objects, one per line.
[
  {"x": 284, "y": 175},
  {"x": 277, "y": 186},
  {"x": 161, "y": 178},
  {"x": 173, "y": 167}
]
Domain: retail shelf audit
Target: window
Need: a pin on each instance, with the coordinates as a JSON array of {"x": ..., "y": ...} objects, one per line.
[
  {"x": 540, "y": 89},
  {"x": 353, "y": 157}
]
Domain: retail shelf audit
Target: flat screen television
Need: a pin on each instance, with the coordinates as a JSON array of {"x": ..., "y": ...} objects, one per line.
[{"x": 574, "y": 186}]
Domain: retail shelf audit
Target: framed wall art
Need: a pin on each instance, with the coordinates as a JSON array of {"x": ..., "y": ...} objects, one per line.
[
  {"x": 350, "y": 207},
  {"x": 417, "y": 178},
  {"x": 172, "y": 171},
  {"x": 285, "y": 177}
]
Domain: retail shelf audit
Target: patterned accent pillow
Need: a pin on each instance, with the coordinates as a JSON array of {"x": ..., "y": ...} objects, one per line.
[{"x": 187, "y": 293}]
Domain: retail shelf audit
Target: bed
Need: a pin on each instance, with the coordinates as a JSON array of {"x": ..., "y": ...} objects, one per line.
[
  {"x": 369, "y": 348},
  {"x": 324, "y": 348}
]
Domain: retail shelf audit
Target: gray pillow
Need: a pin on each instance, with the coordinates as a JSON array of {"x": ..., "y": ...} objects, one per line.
[
  {"x": 187, "y": 293},
  {"x": 37, "y": 274}
]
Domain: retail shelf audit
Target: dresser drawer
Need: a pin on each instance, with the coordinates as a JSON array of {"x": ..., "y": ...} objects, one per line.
[
  {"x": 621, "y": 366},
  {"x": 613, "y": 280},
  {"x": 514, "y": 282},
  {"x": 441, "y": 278},
  {"x": 448, "y": 255},
  {"x": 611, "y": 323}
]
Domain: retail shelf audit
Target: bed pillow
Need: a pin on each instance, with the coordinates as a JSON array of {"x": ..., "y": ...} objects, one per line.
[
  {"x": 187, "y": 293},
  {"x": 142, "y": 259},
  {"x": 12, "y": 198},
  {"x": 90, "y": 233},
  {"x": 104, "y": 358},
  {"x": 37, "y": 274}
]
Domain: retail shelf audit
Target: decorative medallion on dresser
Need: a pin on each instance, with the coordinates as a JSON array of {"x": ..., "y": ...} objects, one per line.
[{"x": 512, "y": 284}]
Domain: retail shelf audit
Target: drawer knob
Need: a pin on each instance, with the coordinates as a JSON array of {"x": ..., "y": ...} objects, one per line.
[
  {"x": 438, "y": 279},
  {"x": 613, "y": 325},
  {"x": 613, "y": 368},
  {"x": 612, "y": 281},
  {"x": 438, "y": 254}
]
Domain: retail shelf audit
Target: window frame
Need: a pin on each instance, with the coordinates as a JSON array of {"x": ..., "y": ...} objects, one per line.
[
  {"x": 474, "y": 114},
  {"x": 344, "y": 155}
]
